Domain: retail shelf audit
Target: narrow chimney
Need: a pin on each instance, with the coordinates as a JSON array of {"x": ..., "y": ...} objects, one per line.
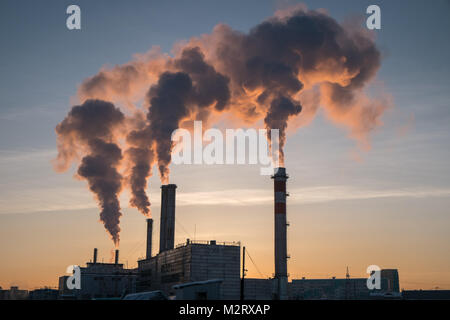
[
  {"x": 95, "y": 255},
  {"x": 167, "y": 224},
  {"x": 280, "y": 178},
  {"x": 149, "y": 238},
  {"x": 116, "y": 260}
]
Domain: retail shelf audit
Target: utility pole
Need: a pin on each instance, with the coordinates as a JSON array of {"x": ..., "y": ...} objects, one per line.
[{"x": 243, "y": 273}]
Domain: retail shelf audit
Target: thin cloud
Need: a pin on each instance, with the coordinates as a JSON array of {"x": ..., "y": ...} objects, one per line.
[
  {"x": 29, "y": 201},
  {"x": 27, "y": 155},
  {"x": 65, "y": 199},
  {"x": 322, "y": 194}
]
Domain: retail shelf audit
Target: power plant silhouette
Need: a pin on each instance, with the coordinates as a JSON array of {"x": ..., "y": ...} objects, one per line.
[{"x": 209, "y": 269}]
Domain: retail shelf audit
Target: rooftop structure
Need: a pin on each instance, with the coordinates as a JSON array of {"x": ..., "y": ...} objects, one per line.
[{"x": 190, "y": 262}]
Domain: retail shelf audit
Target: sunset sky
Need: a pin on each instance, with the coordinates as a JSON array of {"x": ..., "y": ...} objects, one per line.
[{"x": 387, "y": 206}]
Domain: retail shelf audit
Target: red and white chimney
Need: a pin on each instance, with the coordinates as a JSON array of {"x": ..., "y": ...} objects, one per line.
[{"x": 281, "y": 276}]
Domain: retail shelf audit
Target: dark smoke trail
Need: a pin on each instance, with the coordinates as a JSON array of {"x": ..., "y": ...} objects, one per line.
[
  {"x": 280, "y": 110},
  {"x": 279, "y": 55},
  {"x": 168, "y": 105},
  {"x": 192, "y": 88},
  {"x": 297, "y": 55},
  {"x": 91, "y": 128},
  {"x": 141, "y": 155},
  {"x": 195, "y": 88},
  {"x": 291, "y": 53},
  {"x": 99, "y": 168}
]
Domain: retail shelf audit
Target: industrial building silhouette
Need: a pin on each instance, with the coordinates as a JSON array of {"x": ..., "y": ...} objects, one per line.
[{"x": 211, "y": 262}]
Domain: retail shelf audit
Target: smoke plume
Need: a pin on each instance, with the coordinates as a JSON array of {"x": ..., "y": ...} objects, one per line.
[
  {"x": 292, "y": 64},
  {"x": 90, "y": 129},
  {"x": 192, "y": 86},
  {"x": 277, "y": 117},
  {"x": 194, "y": 89},
  {"x": 296, "y": 52}
]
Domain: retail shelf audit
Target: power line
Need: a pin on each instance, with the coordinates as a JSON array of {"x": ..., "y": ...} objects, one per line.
[
  {"x": 253, "y": 262},
  {"x": 137, "y": 246},
  {"x": 184, "y": 230},
  {"x": 142, "y": 242}
]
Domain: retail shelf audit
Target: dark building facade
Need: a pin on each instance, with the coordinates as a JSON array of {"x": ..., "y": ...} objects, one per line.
[
  {"x": 190, "y": 262},
  {"x": 43, "y": 294},
  {"x": 100, "y": 280},
  {"x": 327, "y": 289}
]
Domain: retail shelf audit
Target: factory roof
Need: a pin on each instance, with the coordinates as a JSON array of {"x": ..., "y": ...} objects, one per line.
[
  {"x": 196, "y": 283},
  {"x": 208, "y": 242}
]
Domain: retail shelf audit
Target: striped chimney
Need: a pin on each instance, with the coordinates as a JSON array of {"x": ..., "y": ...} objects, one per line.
[{"x": 281, "y": 275}]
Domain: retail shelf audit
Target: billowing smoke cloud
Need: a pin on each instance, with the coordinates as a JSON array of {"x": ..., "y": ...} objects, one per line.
[
  {"x": 290, "y": 65},
  {"x": 126, "y": 83},
  {"x": 190, "y": 88},
  {"x": 168, "y": 105},
  {"x": 299, "y": 51},
  {"x": 91, "y": 129},
  {"x": 193, "y": 89}
]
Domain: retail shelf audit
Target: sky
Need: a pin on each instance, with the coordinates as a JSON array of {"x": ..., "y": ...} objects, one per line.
[{"x": 388, "y": 206}]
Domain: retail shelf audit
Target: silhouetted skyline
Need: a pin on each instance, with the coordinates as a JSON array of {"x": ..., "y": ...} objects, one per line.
[{"x": 347, "y": 207}]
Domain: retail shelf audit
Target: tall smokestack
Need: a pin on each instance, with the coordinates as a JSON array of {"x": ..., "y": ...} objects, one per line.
[
  {"x": 167, "y": 226},
  {"x": 280, "y": 178},
  {"x": 116, "y": 259},
  {"x": 95, "y": 255},
  {"x": 149, "y": 238}
]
